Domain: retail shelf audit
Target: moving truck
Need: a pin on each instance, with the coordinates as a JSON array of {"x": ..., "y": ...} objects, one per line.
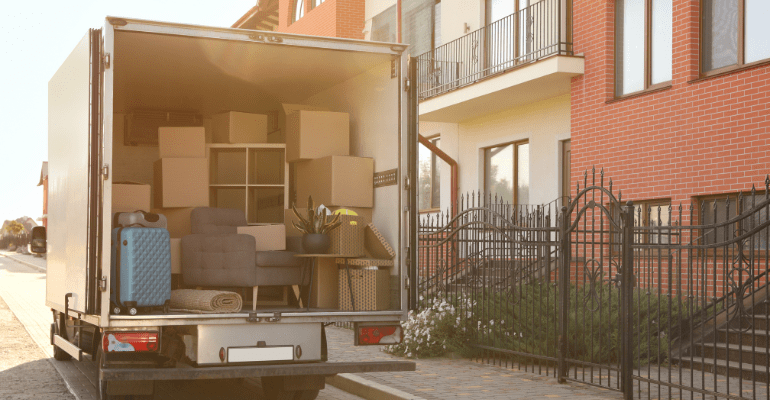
[{"x": 131, "y": 65}]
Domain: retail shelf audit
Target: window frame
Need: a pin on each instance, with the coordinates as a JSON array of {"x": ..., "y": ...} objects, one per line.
[
  {"x": 433, "y": 166},
  {"x": 740, "y": 62},
  {"x": 648, "y": 85},
  {"x": 733, "y": 196},
  {"x": 294, "y": 9},
  {"x": 313, "y": 4},
  {"x": 515, "y": 183}
]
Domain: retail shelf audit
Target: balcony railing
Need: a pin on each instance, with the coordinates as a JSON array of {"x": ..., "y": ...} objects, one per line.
[{"x": 533, "y": 33}]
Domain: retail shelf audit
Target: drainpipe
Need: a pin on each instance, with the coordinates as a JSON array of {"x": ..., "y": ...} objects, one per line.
[
  {"x": 398, "y": 11},
  {"x": 452, "y": 163}
]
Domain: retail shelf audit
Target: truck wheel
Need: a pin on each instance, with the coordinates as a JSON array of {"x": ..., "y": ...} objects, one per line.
[{"x": 58, "y": 354}]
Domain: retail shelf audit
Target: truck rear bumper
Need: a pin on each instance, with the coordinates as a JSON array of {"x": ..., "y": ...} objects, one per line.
[{"x": 252, "y": 371}]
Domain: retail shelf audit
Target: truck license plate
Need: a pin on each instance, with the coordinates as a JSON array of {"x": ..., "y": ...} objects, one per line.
[{"x": 254, "y": 354}]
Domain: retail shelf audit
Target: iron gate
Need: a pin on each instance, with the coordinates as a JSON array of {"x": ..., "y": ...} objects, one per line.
[{"x": 651, "y": 300}]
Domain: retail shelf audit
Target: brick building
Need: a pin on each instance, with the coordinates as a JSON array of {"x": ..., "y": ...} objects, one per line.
[
  {"x": 674, "y": 106},
  {"x": 333, "y": 18}
]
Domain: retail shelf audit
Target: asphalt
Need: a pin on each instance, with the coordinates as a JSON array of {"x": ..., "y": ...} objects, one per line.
[{"x": 22, "y": 286}]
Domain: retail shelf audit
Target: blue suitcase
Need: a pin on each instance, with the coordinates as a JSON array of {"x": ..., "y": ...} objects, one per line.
[{"x": 141, "y": 269}]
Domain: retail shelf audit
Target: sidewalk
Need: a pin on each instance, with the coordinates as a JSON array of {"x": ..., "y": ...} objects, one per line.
[
  {"x": 29, "y": 260},
  {"x": 443, "y": 378}
]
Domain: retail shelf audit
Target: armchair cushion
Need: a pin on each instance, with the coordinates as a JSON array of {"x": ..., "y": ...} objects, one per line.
[{"x": 219, "y": 260}]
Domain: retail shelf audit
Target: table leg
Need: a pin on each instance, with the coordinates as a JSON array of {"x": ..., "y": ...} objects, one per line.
[
  {"x": 350, "y": 286},
  {"x": 310, "y": 289}
]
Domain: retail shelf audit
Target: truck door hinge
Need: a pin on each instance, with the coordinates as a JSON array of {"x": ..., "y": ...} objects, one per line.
[
  {"x": 407, "y": 83},
  {"x": 103, "y": 284},
  {"x": 105, "y": 172},
  {"x": 406, "y": 183},
  {"x": 106, "y": 60},
  {"x": 275, "y": 318},
  {"x": 393, "y": 70},
  {"x": 406, "y": 283}
]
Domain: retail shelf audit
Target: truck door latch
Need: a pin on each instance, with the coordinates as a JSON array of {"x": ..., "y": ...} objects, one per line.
[
  {"x": 106, "y": 172},
  {"x": 252, "y": 317},
  {"x": 103, "y": 284},
  {"x": 275, "y": 318},
  {"x": 106, "y": 60}
]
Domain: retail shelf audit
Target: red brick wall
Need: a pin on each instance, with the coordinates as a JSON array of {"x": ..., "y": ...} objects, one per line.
[
  {"x": 701, "y": 137},
  {"x": 333, "y": 18}
]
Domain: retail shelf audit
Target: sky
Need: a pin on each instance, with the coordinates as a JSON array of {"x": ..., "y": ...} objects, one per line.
[{"x": 37, "y": 36}]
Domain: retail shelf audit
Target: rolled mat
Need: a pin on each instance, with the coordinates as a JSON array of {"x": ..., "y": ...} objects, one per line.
[{"x": 205, "y": 301}]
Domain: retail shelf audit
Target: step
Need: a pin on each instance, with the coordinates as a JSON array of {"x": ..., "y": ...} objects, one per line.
[
  {"x": 756, "y": 337},
  {"x": 721, "y": 367},
  {"x": 734, "y": 352}
]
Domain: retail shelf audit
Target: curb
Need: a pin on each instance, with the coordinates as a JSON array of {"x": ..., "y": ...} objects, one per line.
[
  {"x": 33, "y": 266},
  {"x": 367, "y": 389}
]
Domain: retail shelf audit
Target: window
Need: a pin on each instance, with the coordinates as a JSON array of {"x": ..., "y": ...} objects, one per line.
[
  {"x": 716, "y": 210},
  {"x": 430, "y": 178},
  {"x": 316, "y": 3},
  {"x": 643, "y": 45},
  {"x": 506, "y": 172},
  {"x": 299, "y": 10},
  {"x": 385, "y": 26},
  {"x": 656, "y": 213},
  {"x": 420, "y": 25},
  {"x": 734, "y": 33}
]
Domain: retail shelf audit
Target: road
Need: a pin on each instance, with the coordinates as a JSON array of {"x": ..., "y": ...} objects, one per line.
[{"x": 28, "y": 371}]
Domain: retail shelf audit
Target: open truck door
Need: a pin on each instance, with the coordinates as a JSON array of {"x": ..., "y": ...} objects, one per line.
[
  {"x": 74, "y": 126},
  {"x": 411, "y": 183}
]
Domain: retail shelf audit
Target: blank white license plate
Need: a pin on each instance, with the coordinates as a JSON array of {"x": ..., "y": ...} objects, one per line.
[{"x": 254, "y": 354}]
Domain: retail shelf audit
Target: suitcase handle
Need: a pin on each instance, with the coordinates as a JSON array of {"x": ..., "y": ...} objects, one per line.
[{"x": 148, "y": 216}]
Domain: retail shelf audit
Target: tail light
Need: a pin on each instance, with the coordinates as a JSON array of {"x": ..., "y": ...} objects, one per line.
[
  {"x": 130, "y": 341},
  {"x": 379, "y": 334}
]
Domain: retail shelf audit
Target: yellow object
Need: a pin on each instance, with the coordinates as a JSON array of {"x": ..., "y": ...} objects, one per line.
[{"x": 345, "y": 211}]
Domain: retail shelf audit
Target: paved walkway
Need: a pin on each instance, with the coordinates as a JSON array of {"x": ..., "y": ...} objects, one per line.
[
  {"x": 22, "y": 286},
  {"x": 443, "y": 378}
]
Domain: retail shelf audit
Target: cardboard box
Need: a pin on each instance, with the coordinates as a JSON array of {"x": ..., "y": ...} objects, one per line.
[
  {"x": 343, "y": 181},
  {"x": 348, "y": 238},
  {"x": 371, "y": 289},
  {"x": 316, "y": 134},
  {"x": 324, "y": 294},
  {"x": 130, "y": 197},
  {"x": 277, "y": 133},
  {"x": 176, "y": 256},
  {"x": 178, "y": 220},
  {"x": 375, "y": 244},
  {"x": 239, "y": 127},
  {"x": 181, "y": 182},
  {"x": 189, "y": 142},
  {"x": 268, "y": 237},
  {"x": 289, "y": 217}
]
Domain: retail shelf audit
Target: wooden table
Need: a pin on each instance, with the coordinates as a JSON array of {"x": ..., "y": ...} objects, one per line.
[{"x": 313, "y": 260}]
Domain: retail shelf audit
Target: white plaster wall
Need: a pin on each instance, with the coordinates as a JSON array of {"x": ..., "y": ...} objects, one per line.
[
  {"x": 545, "y": 124},
  {"x": 456, "y": 13}
]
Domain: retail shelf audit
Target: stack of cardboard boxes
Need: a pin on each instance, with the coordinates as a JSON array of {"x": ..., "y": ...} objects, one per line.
[
  {"x": 181, "y": 182},
  {"x": 318, "y": 143}
]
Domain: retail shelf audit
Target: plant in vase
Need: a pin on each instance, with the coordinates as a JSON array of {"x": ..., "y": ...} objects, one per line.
[{"x": 315, "y": 228}]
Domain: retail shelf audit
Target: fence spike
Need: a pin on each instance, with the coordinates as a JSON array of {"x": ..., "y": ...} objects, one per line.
[
  {"x": 585, "y": 178},
  {"x": 593, "y": 175},
  {"x": 602, "y": 177},
  {"x": 610, "y": 185},
  {"x": 620, "y": 196},
  {"x": 767, "y": 185}
]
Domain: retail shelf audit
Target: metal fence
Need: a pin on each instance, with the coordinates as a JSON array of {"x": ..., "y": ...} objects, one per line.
[
  {"x": 533, "y": 33},
  {"x": 655, "y": 302}
]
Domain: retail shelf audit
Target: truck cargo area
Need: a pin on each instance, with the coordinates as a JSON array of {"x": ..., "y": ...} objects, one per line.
[{"x": 191, "y": 80}]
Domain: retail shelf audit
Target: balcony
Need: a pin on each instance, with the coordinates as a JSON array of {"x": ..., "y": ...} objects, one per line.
[{"x": 524, "y": 57}]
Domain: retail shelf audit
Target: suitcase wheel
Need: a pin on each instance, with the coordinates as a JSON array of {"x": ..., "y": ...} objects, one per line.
[{"x": 132, "y": 310}]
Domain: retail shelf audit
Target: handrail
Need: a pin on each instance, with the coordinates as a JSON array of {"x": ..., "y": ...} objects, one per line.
[{"x": 538, "y": 31}]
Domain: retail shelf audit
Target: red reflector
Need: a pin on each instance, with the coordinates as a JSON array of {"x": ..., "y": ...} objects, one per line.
[
  {"x": 380, "y": 334},
  {"x": 130, "y": 341}
]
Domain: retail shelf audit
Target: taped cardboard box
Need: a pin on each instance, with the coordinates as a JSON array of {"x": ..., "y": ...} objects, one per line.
[
  {"x": 239, "y": 127},
  {"x": 130, "y": 196},
  {"x": 268, "y": 237},
  {"x": 178, "y": 220},
  {"x": 289, "y": 217},
  {"x": 182, "y": 142},
  {"x": 370, "y": 287},
  {"x": 343, "y": 181},
  {"x": 316, "y": 134},
  {"x": 181, "y": 182}
]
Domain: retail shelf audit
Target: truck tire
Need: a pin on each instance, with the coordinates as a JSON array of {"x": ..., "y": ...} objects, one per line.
[{"x": 58, "y": 354}]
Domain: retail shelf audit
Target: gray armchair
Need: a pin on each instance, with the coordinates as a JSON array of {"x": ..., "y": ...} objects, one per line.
[{"x": 216, "y": 255}]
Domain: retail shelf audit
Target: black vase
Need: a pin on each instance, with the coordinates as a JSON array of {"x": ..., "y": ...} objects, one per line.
[{"x": 315, "y": 243}]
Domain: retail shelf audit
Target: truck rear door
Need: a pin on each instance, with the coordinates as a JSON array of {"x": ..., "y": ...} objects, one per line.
[{"x": 75, "y": 170}]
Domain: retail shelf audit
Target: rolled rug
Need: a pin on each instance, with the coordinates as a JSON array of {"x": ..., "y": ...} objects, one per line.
[{"x": 205, "y": 301}]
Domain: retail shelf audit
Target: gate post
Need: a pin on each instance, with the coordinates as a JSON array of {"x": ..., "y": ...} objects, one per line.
[
  {"x": 564, "y": 261},
  {"x": 626, "y": 305}
]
